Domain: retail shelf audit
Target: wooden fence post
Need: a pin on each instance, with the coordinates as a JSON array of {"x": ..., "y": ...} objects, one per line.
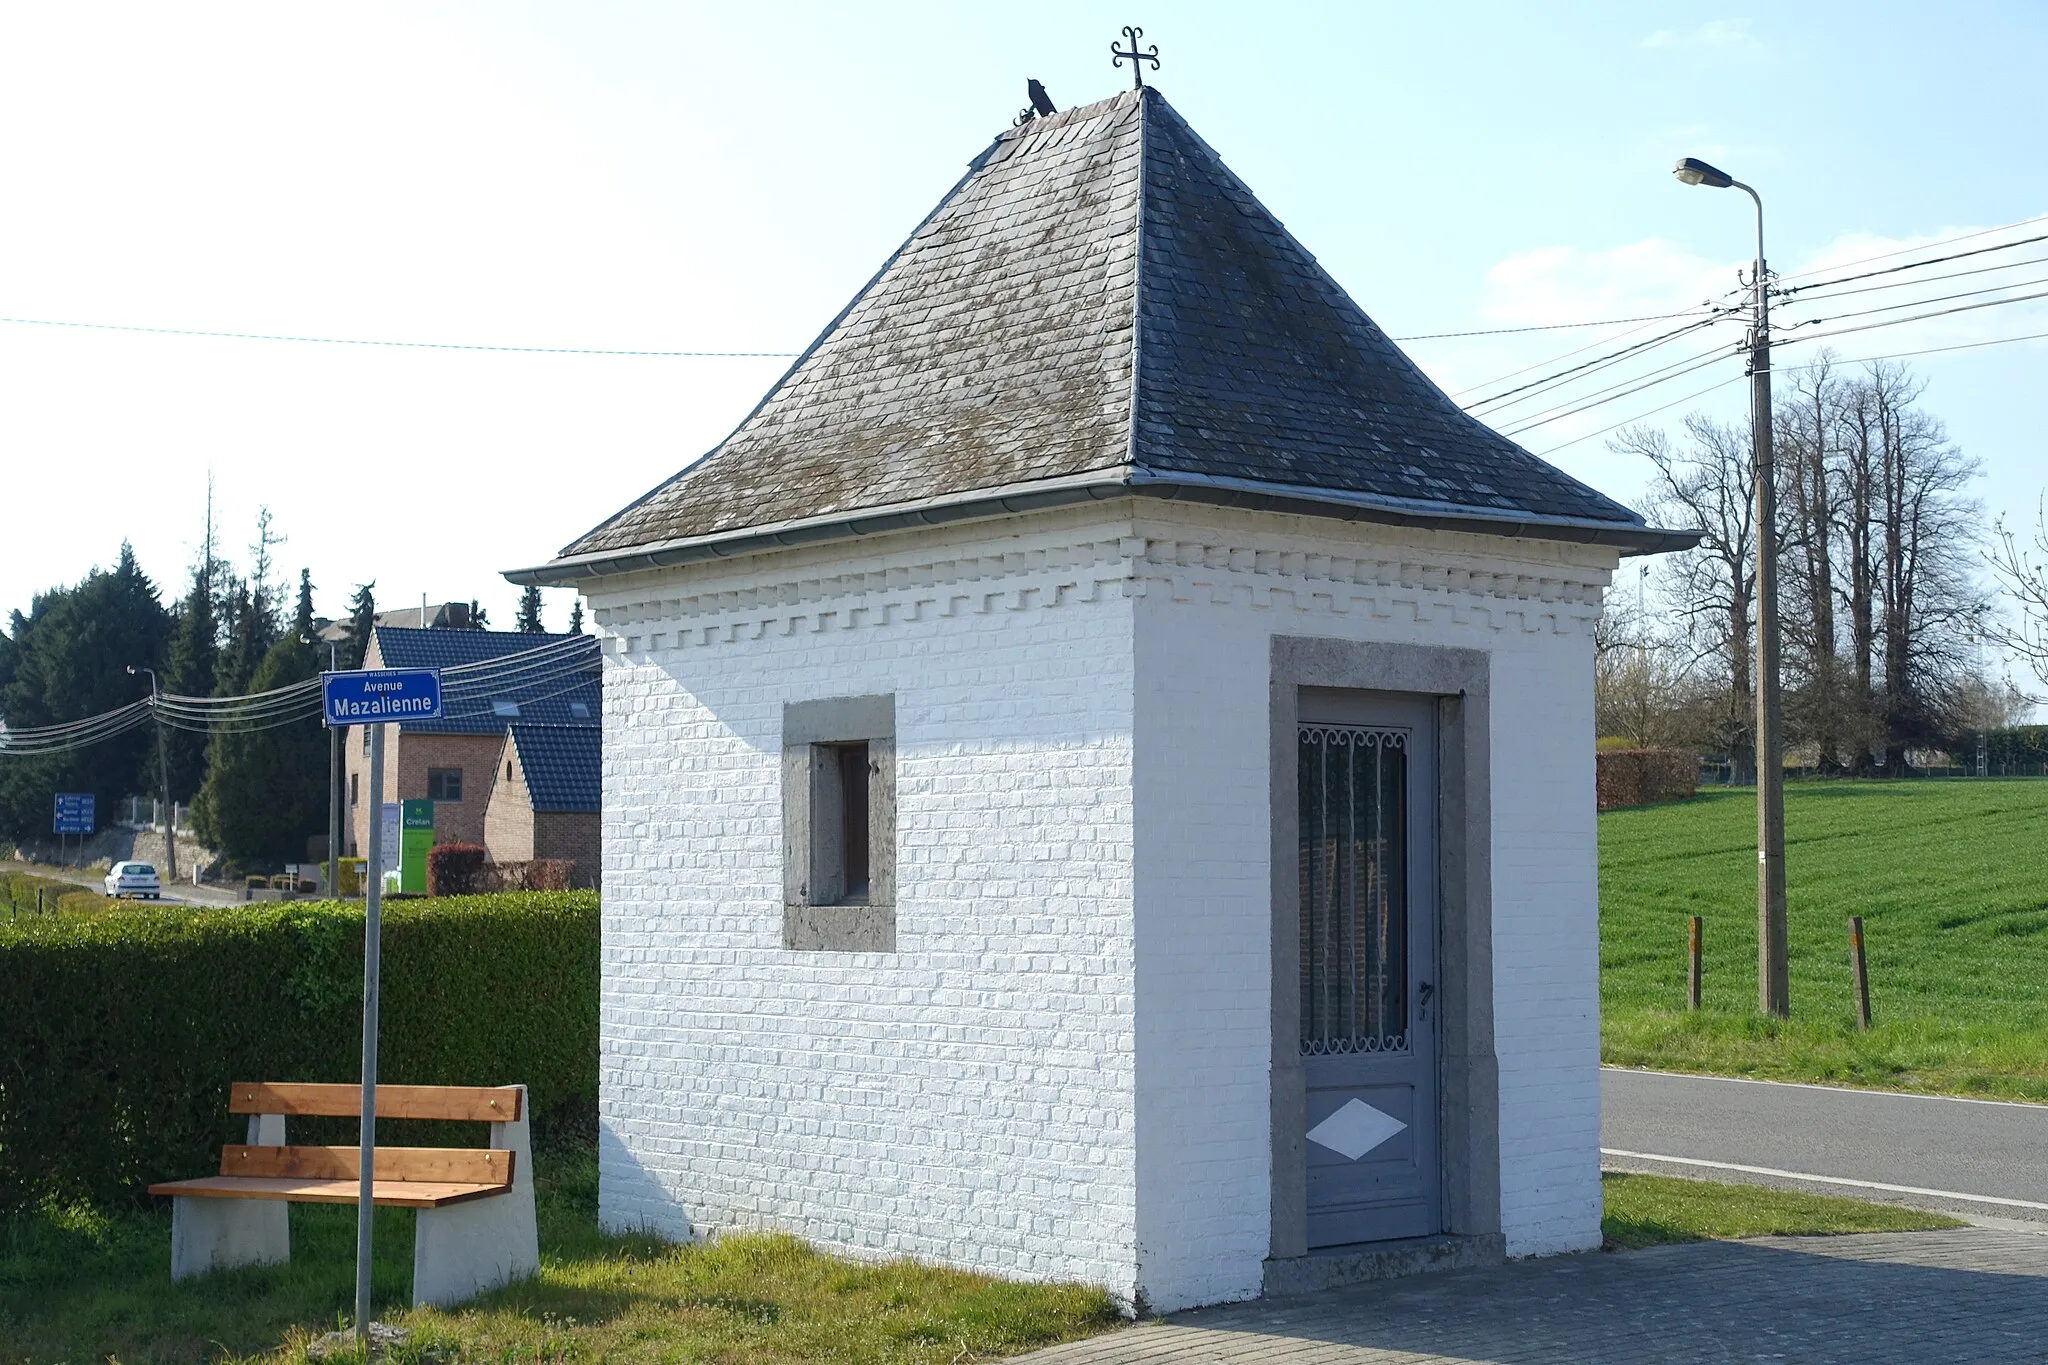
[
  {"x": 1692, "y": 967},
  {"x": 1857, "y": 969}
]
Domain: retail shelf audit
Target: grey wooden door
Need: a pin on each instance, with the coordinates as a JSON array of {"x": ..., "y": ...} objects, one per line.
[{"x": 1368, "y": 801}]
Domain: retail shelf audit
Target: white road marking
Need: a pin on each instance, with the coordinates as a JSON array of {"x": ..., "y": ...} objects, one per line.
[
  {"x": 1825, "y": 1179},
  {"x": 1831, "y": 1089}
]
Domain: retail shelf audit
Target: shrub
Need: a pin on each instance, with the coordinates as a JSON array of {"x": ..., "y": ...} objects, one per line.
[
  {"x": 541, "y": 874},
  {"x": 124, "y": 1030},
  {"x": 76, "y": 902},
  {"x": 455, "y": 870},
  {"x": 1642, "y": 777}
]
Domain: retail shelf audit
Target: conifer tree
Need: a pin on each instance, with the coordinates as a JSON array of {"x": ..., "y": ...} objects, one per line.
[
  {"x": 576, "y": 617},
  {"x": 194, "y": 652},
  {"x": 529, "y": 612},
  {"x": 362, "y": 619},
  {"x": 302, "y": 615},
  {"x": 266, "y": 789},
  {"x": 69, "y": 659}
]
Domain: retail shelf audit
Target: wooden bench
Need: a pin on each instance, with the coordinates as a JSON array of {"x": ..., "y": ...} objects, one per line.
[{"x": 475, "y": 1226}]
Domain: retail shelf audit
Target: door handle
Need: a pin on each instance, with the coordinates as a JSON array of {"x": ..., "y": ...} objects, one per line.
[{"x": 1422, "y": 994}]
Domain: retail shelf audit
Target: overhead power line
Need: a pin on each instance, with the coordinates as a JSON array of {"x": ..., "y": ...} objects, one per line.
[
  {"x": 574, "y": 659},
  {"x": 1549, "y": 326},
  {"x": 1912, "y": 283},
  {"x": 1793, "y": 369},
  {"x": 408, "y": 345},
  {"x": 1909, "y": 250},
  {"x": 1915, "y": 265},
  {"x": 1586, "y": 367}
]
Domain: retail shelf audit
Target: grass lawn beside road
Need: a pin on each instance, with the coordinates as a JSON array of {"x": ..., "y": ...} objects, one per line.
[
  {"x": 1951, "y": 878},
  {"x": 1652, "y": 1210}
]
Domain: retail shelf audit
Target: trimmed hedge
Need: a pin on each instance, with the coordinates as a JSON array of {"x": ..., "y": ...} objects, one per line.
[
  {"x": 1643, "y": 777},
  {"x": 124, "y": 1030},
  {"x": 29, "y": 894}
]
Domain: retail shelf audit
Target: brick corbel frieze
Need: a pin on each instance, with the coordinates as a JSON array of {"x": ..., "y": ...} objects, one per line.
[{"x": 699, "y": 610}]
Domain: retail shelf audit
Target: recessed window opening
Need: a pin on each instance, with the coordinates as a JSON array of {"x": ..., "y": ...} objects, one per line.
[
  {"x": 508, "y": 770},
  {"x": 853, "y": 804},
  {"x": 444, "y": 784}
]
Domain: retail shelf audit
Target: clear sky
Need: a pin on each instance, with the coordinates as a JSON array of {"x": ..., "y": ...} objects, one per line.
[{"x": 724, "y": 177}]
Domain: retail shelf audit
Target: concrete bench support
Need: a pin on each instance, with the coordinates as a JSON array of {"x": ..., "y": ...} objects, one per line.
[
  {"x": 464, "y": 1249},
  {"x": 216, "y": 1234}
]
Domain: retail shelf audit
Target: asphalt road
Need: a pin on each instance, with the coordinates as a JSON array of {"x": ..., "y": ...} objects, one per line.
[{"x": 1974, "y": 1157}]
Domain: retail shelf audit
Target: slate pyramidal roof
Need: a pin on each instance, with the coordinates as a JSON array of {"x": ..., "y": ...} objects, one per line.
[{"x": 1098, "y": 309}]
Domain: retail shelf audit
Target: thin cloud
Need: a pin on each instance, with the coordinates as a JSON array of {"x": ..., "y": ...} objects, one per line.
[{"x": 1713, "y": 33}]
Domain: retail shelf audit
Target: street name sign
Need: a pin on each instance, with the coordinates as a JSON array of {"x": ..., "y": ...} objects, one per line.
[
  {"x": 373, "y": 696},
  {"x": 74, "y": 813}
]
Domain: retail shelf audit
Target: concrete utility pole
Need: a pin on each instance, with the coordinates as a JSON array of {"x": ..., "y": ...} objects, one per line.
[
  {"x": 1771, "y": 987},
  {"x": 163, "y": 771},
  {"x": 333, "y": 794}
]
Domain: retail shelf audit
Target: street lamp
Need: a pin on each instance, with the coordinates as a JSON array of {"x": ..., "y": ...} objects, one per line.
[
  {"x": 1770, "y": 771},
  {"x": 163, "y": 772}
]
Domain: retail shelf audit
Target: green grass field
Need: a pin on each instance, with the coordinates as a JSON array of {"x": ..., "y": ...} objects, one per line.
[{"x": 1951, "y": 878}]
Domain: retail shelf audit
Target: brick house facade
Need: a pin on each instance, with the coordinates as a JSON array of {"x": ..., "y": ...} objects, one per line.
[
  {"x": 455, "y": 761},
  {"x": 544, "y": 798}
]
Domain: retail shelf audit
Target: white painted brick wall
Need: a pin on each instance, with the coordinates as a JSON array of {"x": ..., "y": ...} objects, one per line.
[
  {"x": 1204, "y": 622},
  {"x": 1062, "y": 1071},
  {"x": 965, "y": 1099}
]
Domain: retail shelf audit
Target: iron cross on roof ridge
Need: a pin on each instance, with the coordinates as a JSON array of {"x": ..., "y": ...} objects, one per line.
[{"x": 1136, "y": 56}]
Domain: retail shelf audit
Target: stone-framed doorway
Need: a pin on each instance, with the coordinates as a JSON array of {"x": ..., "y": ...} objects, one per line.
[{"x": 1468, "y": 1085}]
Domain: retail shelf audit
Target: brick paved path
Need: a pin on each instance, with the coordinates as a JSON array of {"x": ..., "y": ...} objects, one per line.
[{"x": 1974, "y": 1294}]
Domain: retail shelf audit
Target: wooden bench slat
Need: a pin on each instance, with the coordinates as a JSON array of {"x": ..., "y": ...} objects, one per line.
[
  {"x": 403, "y": 1194},
  {"x": 473, "y": 1103},
  {"x": 456, "y": 1165}
]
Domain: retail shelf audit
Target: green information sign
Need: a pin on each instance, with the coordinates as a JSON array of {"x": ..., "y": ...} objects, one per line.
[{"x": 415, "y": 841}]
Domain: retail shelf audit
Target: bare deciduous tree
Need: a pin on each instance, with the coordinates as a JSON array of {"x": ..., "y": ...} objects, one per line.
[
  {"x": 2022, "y": 569},
  {"x": 1707, "y": 486}
]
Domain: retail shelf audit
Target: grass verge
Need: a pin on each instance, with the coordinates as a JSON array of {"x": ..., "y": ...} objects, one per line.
[
  {"x": 1955, "y": 912},
  {"x": 78, "y": 1285},
  {"x": 1653, "y": 1210}
]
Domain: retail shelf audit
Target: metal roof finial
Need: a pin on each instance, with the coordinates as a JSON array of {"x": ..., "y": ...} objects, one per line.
[{"x": 1136, "y": 56}]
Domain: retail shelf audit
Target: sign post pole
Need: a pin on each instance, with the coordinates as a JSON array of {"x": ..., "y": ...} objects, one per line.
[
  {"x": 373, "y": 904},
  {"x": 374, "y": 697}
]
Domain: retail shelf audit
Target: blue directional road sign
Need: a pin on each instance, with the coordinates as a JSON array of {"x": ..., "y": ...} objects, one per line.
[
  {"x": 372, "y": 696},
  {"x": 74, "y": 814}
]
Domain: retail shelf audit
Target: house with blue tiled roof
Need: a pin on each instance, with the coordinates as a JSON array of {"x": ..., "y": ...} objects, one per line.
[
  {"x": 491, "y": 680},
  {"x": 545, "y": 797},
  {"x": 1099, "y": 768}
]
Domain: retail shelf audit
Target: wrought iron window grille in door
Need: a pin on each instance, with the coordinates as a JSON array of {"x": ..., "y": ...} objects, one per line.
[{"x": 1354, "y": 950}]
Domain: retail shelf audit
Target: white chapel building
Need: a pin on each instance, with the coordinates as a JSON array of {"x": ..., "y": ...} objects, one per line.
[{"x": 1098, "y": 769}]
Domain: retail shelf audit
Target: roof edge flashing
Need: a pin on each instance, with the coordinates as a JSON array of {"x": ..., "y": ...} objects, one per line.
[{"x": 1635, "y": 538}]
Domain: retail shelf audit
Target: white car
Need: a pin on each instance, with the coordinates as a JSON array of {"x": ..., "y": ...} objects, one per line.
[{"x": 133, "y": 879}]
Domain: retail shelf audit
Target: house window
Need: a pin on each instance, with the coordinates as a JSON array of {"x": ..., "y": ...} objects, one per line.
[
  {"x": 839, "y": 824},
  {"x": 366, "y": 738},
  {"x": 508, "y": 770},
  {"x": 444, "y": 784},
  {"x": 355, "y": 785}
]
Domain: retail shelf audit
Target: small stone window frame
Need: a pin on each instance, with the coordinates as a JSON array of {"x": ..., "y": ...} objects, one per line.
[{"x": 838, "y": 868}]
